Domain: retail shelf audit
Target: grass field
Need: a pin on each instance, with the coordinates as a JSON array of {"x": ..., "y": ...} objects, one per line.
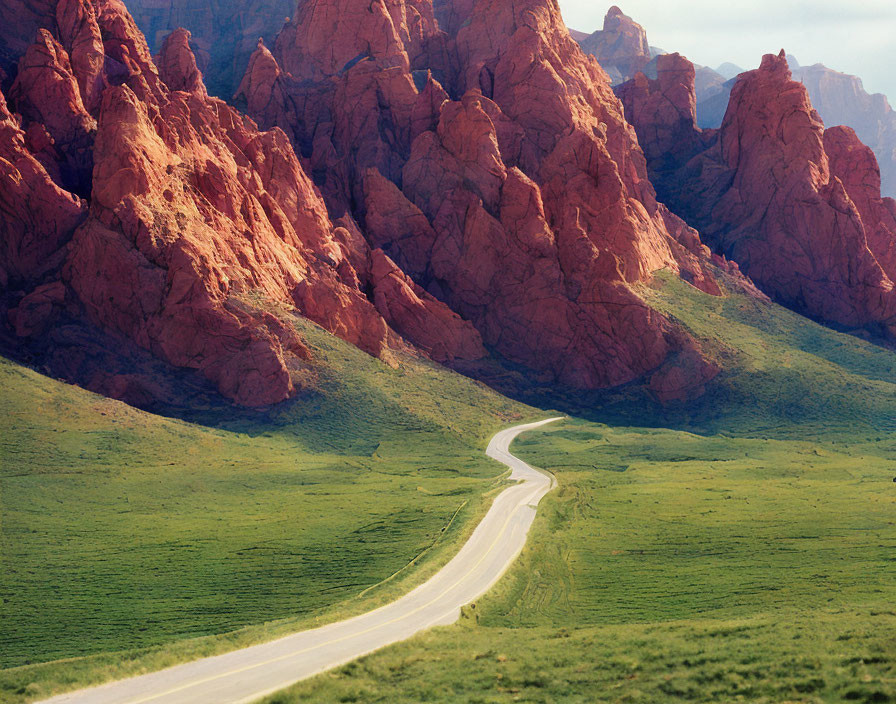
[
  {"x": 745, "y": 553},
  {"x": 783, "y": 376},
  {"x": 124, "y": 531}
]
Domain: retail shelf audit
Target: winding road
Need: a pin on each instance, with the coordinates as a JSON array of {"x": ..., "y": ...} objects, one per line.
[{"x": 251, "y": 673}]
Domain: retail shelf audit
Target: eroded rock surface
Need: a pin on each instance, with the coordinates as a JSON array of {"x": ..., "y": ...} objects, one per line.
[
  {"x": 797, "y": 206},
  {"x": 37, "y": 217},
  {"x": 486, "y": 154},
  {"x": 621, "y": 46},
  {"x": 201, "y": 229}
]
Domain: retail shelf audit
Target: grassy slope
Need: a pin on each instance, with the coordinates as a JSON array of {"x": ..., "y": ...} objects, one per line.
[
  {"x": 121, "y": 529},
  {"x": 746, "y": 555}
]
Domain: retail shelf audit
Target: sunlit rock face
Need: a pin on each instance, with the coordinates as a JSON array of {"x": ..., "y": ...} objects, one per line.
[
  {"x": 486, "y": 154},
  {"x": 799, "y": 207},
  {"x": 195, "y": 227}
]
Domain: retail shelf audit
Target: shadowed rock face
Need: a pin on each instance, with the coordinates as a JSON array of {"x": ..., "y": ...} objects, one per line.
[
  {"x": 486, "y": 154},
  {"x": 224, "y": 33},
  {"x": 797, "y": 206},
  {"x": 197, "y": 225},
  {"x": 47, "y": 95},
  {"x": 37, "y": 216}
]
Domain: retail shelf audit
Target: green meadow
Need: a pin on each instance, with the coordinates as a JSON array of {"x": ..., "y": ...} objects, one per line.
[
  {"x": 131, "y": 541},
  {"x": 737, "y": 548}
]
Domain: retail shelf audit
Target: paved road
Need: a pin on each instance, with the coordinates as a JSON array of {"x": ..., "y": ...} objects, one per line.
[{"x": 248, "y": 674}]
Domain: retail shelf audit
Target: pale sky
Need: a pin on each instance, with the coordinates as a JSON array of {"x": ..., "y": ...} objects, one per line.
[{"x": 857, "y": 37}]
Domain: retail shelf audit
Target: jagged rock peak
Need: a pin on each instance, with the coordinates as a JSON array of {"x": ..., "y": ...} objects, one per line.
[
  {"x": 203, "y": 236},
  {"x": 621, "y": 46},
  {"x": 177, "y": 64},
  {"x": 797, "y": 206},
  {"x": 493, "y": 164},
  {"x": 776, "y": 63}
]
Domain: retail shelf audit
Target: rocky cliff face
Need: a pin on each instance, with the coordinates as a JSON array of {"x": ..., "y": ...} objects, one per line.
[
  {"x": 37, "y": 216},
  {"x": 485, "y": 153},
  {"x": 840, "y": 99},
  {"x": 454, "y": 178},
  {"x": 197, "y": 227},
  {"x": 797, "y": 206}
]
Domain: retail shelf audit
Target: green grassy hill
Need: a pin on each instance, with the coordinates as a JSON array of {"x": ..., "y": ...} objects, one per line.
[
  {"x": 783, "y": 376},
  {"x": 740, "y": 548},
  {"x": 122, "y": 530}
]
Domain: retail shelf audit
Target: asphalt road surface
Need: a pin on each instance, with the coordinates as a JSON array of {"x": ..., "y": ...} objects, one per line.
[{"x": 248, "y": 674}]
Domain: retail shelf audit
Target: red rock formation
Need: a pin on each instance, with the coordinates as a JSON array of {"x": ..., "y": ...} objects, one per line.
[
  {"x": 198, "y": 224},
  {"x": 524, "y": 204},
  {"x": 46, "y": 93},
  {"x": 37, "y": 217},
  {"x": 339, "y": 33},
  {"x": 840, "y": 99},
  {"x": 856, "y": 166},
  {"x": 621, "y": 46},
  {"x": 670, "y": 135},
  {"x": 491, "y": 164},
  {"x": 81, "y": 38},
  {"x": 414, "y": 313},
  {"x": 798, "y": 208},
  {"x": 177, "y": 64},
  {"x": 265, "y": 93}
]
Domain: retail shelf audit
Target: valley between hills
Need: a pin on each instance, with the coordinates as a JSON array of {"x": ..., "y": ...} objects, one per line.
[
  {"x": 754, "y": 496},
  {"x": 272, "y": 277}
]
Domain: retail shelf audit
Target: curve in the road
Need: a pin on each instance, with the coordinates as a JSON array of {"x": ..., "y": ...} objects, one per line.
[{"x": 251, "y": 673}]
